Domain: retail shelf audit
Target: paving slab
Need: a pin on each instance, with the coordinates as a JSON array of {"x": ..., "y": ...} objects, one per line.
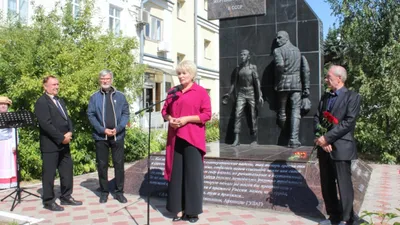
[{"x": 382, "y": 196}]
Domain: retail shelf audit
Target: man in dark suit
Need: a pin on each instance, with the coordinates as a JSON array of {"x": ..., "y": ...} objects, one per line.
[
  {"x": 337, "y": 147},
  {"x": 55, "y": 136}
]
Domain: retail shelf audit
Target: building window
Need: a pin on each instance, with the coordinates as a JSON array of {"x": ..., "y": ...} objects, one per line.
[
  {"x": 114, "y": 20},
  {"x": 179, "y": 58},
  {"x": 180, "y": 10},
  {"x": 158, "y": 96},
  {"x": 12, "y": 7},
  {"x": 207, "y": 47},
  {"x": 154, "y": 29},
  {"x": 148, "y": 98},
  {"x": 167, "y": 86},
  {"x": 75, "y": 8},
  {"x": 162, "y": 55},
  {"x": 18, "y": 9},
  {"x": 206, "y": 5}
]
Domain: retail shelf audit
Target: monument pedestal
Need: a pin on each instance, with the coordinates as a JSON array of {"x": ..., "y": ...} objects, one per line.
[{"x": 269, "y": 176}]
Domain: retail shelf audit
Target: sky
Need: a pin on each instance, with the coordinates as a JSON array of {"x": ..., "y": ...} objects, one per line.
[{"x": 323, "y": 11}]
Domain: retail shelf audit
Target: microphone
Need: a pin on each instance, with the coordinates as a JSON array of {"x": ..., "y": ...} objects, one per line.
[{"x": 175, "y": 89}]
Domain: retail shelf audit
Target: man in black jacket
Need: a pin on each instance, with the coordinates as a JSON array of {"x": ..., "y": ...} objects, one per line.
[
  {"x": 337, "y": 146},
  {"x": 55, "y": 136}
]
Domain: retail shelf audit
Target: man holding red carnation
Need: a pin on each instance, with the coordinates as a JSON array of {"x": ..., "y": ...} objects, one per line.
[{"x": 336, "y": 148}]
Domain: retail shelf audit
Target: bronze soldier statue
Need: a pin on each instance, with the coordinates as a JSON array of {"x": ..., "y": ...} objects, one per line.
[
  {"x": 246, "y": 85},
  {"x": 292, "y": 82}
]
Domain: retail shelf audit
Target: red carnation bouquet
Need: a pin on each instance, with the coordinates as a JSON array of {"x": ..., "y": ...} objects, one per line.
[{"x": 328, "y": 120}]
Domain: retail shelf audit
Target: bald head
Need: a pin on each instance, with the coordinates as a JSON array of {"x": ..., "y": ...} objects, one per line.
[
  {"x": 282, "y": 37},
  {"x": 283, "y": 34}
]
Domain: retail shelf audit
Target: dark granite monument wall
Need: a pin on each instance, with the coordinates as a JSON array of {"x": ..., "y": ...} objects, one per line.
[
  {"x": 290, "y": 185},
  {"x": 257, "y": 34}
]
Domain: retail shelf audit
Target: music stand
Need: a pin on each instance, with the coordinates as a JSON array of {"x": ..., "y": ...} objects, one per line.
[{"x": 16, "y": 120}]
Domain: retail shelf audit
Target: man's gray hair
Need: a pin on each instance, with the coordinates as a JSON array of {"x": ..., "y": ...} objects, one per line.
[
  {"x": 340, "y": 72},
  {"x": 105, "y": 72}
]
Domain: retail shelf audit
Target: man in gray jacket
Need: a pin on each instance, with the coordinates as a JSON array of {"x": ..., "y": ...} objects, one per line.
[
  {"x": 108, "y": 112},
  {"x": 292, "y": 82}
]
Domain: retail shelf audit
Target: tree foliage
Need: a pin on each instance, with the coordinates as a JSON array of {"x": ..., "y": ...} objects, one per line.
[
  {"x": 74, "y": 50},
  {"x": 369, "y": 31},
  {"x": 334, "y": 49}
]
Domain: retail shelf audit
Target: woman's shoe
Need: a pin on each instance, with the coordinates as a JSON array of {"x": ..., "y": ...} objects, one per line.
[
  {"x": 178, "y": 218},
  {"x": 192, "y": 219}
]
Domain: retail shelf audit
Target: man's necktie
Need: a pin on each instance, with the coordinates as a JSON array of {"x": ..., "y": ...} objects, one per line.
[{"x": 59, "y": 106}]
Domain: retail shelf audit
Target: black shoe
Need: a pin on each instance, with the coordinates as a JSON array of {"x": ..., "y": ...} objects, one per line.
[
  {"x": 103, "y": 198},
  {"x": 121, "y": 198},
  {"x": 191, "y": 219},
  {"x": 70, "y": 201},
  {"x": 53, "y": 207}
]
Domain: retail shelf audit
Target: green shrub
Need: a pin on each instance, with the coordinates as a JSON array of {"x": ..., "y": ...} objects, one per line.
[
  {"x": 30, "y": 162},
  {"x": 384, "y": 217},
  {"x": 83, "y": 150},
  {"x": 158, "y": 140},
  {"x": 136, "y": 142},
  {"x": 212, "y": 129},
  {"x": 83, "y": 153}
]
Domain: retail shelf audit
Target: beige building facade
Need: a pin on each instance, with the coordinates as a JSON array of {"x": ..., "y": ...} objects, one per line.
[
  {"x": 173, "y": 30},
  {"x": 178, "y": 30}
]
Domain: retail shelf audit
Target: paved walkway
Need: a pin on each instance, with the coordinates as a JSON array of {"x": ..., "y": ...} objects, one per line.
[{"x": 383, "y": 194}]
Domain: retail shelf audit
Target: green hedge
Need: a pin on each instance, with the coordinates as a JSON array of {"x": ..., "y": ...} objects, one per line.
[
  {"x": 212, "y": 129},
  {"x": 83, "y": 150},
  {"x": 136, "y": 142}
]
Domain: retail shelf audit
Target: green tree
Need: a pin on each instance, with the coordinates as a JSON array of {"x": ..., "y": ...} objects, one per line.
[
  {"x": 334, "y": 49},
  {"x": 369, "y": 30},
  {"x": 75, "y": 51}
]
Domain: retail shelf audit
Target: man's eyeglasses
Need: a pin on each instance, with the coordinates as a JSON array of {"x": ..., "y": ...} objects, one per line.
[{"x": 105, "y": 79}]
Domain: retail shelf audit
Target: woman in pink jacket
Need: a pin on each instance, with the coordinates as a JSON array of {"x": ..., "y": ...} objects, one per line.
[{"x": 187, "y": 113}]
